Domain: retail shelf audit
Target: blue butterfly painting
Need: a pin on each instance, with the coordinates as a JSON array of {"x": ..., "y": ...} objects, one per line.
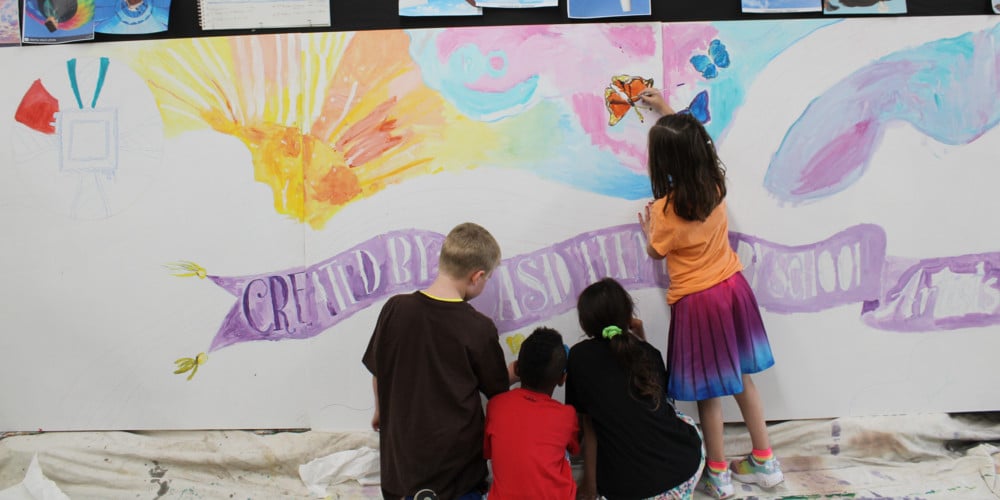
[
  {"x": 717, "y": 58},
  {"x": 699, "y": 107}
]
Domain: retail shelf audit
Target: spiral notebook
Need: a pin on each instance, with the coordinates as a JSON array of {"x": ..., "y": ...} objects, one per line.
[{"x": 250, "y": 14}]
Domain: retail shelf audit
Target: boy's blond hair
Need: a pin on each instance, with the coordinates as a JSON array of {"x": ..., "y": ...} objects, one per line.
[{"x": 468, "y": 248}]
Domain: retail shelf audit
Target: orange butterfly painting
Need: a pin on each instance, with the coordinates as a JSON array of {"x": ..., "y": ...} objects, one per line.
[{"x": 622, "y": 95}]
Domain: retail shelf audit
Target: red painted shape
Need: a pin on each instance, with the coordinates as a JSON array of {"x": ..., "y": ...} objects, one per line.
[{"x": 38, "y": 109}]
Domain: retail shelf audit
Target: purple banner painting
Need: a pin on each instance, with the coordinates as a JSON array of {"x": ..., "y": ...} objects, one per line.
[
  {"x": 529, "y": 288},
  {"x": 850, "y": 267},
  {"x": 303, "y": 302},
  {"x": 938, "y": 294},
  {"x": 843, "y": 269}
]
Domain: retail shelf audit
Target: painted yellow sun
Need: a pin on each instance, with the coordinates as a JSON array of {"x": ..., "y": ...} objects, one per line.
[{"x": 327, "y": 117}]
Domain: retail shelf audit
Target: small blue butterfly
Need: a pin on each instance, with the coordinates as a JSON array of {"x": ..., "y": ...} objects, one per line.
[
  {"x": 699, "y": 107},
  {"x": 717, "y": 58}
]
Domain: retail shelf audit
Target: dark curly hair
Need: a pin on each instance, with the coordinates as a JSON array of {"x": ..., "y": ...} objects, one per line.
[{"x": 542, "y": 359}]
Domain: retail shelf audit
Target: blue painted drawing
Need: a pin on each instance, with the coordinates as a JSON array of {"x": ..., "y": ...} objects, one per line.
[
  {"x": 516, "y": 4},
  {"x": 765, "y": 6},
  {"x": 132, "y": 17},
  {"x": 590, "y": 9},
  {"x": 864, "y": 6},
  {"x": 421, "y": 8},
  {"x": 58, "y": 21},
  {"x": 717, "y": 58}
]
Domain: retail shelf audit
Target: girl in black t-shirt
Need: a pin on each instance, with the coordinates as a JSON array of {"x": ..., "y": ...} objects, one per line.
[{"x": 635, "y": 445}]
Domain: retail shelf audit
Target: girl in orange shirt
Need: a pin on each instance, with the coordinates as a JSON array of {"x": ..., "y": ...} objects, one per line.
[{"x": 716, "y": 338}]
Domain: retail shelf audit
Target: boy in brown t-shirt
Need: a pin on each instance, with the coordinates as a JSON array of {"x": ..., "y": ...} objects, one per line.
[{"x": 431, "y": 355}]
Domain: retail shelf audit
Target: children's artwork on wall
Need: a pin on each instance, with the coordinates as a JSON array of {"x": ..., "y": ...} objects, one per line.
[
  {"x": 58, "y": 21},
  {"x": 622, "y": 96},
  {"x": 202, "y": 231},
  {"x": 419, "y": 8},
  {"x": 775, "y": 6},
  {"x": 592, "y": 9},
  {"x": 514, "y": 4},
  {"x": 10, "y": 26},
  {"x": 862, "y": 7},
  {"x": 131, "y": 17},
  {"x": 259, "y": 14},
  {"x": 996, "y": 8},
  {"x": 857, "y": 112},
  {"x": 95, "y": 122}
]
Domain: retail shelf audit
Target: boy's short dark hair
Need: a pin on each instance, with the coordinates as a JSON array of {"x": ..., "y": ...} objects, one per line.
[{"x": 542, "y": 359}]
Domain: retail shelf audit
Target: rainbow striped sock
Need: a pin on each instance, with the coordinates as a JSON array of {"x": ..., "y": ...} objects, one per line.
[
  {"x": 716, "y": 467},
  {"x": 761, "y": 456}
]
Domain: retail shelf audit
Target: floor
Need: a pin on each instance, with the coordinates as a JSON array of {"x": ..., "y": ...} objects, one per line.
[{"x": 934, "y": 456}]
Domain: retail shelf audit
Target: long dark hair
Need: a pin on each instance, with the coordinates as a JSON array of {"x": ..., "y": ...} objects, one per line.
[
  {"x": 684, "y": 167},
  {"x": 603, "y": 304}
]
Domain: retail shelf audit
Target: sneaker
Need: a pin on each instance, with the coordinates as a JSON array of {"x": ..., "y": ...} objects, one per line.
[
  {"x": 717, "y": 484},
  {"x": 766, "y": 475}
]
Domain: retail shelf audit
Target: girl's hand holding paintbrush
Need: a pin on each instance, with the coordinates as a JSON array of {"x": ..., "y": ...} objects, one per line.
[{"x": 653, "y": 98}]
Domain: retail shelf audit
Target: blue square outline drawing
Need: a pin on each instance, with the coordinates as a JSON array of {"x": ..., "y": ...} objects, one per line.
[{"x": 70, "y": 124}]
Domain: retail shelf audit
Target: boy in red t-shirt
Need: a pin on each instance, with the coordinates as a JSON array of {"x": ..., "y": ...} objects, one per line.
[{"x": 528, "y": 432}]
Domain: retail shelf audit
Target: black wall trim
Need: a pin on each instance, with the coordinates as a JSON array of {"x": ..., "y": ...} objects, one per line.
[{"x": 357, "y": 15}]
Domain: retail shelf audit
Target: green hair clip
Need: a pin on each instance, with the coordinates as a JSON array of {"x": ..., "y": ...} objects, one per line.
[{"x": 610, "y": 332}]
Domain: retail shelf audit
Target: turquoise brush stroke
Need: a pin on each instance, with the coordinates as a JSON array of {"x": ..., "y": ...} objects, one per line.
[
  {"x": 71, "y": 68},
  {"x": 602, "y": 175},
  {"x": 102, "y": 73},
  {"x": 100, "y": 81},
  {"x": 576, "y": 161},
  {"x": 947, "y": 89},
  {"x": 598, "y": 172},
  {"x": 465, "y": 66},
  {"x": 752, "y": 45},
  {"x": 584, "y": 166}
]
